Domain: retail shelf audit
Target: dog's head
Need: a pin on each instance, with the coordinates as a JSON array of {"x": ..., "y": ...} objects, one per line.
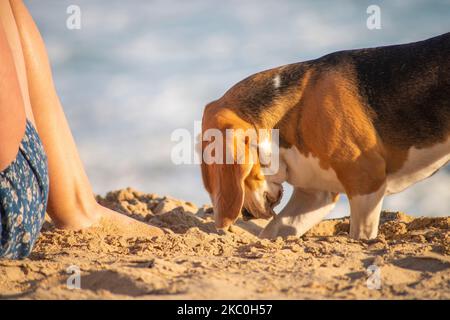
[{"x": 236, "y": 184}]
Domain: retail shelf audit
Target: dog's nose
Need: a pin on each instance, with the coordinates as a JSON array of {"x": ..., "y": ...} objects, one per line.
[{"x": 247, "y": 215}]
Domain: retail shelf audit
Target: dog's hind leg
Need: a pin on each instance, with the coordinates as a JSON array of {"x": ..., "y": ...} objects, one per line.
[{"x": 305, "y": 209}]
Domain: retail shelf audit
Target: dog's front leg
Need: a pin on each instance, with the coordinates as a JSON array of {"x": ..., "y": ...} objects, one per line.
[
  {"x": 305, "y": 209},
  {"x": 365, "y": 213}
]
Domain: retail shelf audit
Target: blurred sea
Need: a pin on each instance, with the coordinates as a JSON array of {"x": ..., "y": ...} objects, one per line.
[{"x": 137, "y": 70}]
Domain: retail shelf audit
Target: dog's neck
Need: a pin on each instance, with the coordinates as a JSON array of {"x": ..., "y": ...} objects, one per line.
[{"x": 266, "y": 98}]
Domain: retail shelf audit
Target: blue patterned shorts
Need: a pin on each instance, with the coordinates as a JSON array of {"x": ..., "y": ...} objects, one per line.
[{"x": 23, "y": 197}]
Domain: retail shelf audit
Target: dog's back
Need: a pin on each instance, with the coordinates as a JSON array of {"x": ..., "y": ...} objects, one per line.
[{"x": 406, "y": 88}]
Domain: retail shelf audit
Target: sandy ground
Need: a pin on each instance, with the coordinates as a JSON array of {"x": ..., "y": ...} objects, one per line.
[{"x": 411, "y": 259}]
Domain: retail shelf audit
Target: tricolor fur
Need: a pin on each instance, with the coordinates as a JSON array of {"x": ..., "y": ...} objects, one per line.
[{"x": 367, "y": 123}]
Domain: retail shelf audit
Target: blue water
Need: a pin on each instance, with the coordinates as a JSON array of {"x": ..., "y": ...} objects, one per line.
[{"x": 137, "y": 70}]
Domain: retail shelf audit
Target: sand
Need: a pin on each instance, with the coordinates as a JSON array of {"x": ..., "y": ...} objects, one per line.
[{"x": 409, "y": 260}]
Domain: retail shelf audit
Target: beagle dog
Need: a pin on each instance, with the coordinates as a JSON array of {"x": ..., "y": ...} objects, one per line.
[{"x": 367, "y": 123}]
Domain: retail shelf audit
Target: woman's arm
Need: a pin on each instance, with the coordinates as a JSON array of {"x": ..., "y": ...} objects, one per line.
[{"x": 12, "y": 111}]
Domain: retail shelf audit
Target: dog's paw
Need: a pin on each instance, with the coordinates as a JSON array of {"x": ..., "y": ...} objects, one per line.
[{"x": 276, "y": 228}]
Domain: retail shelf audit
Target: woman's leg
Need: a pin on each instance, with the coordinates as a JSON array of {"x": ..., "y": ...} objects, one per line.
[
  {"x": 12, "y": 114},
  {"x": 71, "y": 200},
  {"x": 13, "y": 42}
]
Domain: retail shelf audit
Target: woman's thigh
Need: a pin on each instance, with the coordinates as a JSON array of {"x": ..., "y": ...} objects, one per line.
[
  {"x": 11, "y": 32},
  {"x": 23, "y": 163},
  {"x": 12, "y": 112}
]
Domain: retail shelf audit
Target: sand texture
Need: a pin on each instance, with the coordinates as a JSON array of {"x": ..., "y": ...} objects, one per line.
[{"x": 194, "y": 261}]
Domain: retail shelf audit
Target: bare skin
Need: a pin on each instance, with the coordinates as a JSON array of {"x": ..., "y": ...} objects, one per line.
[{"x": 27, "y": 90}]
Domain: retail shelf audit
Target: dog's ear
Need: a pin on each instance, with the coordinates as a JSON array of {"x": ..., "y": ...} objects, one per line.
[
  {"x": 224, "y": 179},
  {"x": 225, "y": 183}
]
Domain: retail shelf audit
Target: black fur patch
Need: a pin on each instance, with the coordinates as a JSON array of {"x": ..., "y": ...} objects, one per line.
[{"x": 408, "y": 89}]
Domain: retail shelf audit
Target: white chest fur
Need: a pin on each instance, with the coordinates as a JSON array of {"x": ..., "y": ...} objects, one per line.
[
  {"x": 420, "y": 164},
  {"x": 305, "y": 172}
]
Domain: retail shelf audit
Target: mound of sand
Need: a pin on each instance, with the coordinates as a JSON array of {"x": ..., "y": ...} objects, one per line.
[{"x": 409, "y": 259}]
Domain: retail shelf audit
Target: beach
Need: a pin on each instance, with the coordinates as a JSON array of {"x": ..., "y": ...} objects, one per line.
[{"x": 410, "y": 259}]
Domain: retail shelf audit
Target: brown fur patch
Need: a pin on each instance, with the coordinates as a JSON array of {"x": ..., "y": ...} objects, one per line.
[{"x": 336, "y": 128}]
